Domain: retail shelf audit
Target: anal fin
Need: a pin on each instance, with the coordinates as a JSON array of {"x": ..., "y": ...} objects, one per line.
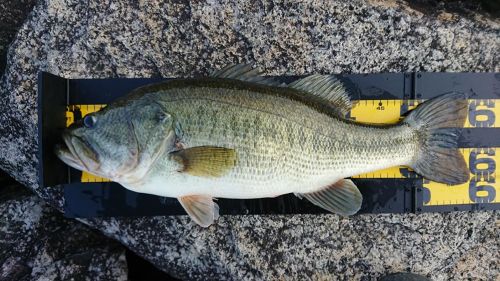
[
  {"x": 201, "y": 208},
  {"x": 342, "y": 197}
]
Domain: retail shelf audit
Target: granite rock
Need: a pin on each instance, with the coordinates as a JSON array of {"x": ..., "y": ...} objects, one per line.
[
  {"x": 12, "y": 15},
  {"x": 37, "y": 243},
  {"x": 96, "y": 39}
]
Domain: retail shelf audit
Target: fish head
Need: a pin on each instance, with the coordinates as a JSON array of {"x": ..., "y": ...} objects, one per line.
[{"x": 120, "y": 142}]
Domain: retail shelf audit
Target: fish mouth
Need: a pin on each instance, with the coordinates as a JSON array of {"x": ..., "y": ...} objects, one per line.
[
  {"x": 64, "y": 153},
  {"x": 77, "y": 153}
]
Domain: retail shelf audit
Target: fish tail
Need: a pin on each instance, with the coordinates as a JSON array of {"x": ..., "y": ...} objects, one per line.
[{"x": 436, "y": 122}]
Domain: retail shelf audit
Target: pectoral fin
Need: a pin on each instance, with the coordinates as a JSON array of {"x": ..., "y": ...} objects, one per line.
[
  {"x": 342, "y": 197},
  {"x": 202, "y": 209},
  {"x": 206, "y": 161}
]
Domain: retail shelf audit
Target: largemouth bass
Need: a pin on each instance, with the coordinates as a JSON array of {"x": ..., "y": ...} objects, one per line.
[{"x": 237, "y": 134}]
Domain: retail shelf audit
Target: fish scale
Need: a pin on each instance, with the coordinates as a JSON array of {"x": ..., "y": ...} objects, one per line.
[{"x": 269, "y": 163}]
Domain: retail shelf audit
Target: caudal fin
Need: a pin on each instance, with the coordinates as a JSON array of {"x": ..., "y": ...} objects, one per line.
[{"x": 436, "y": 122}]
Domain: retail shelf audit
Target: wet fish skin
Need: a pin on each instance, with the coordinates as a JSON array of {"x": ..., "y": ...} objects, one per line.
[
  {"x": 238, "y": 135},
  {"x": 278, "y": 138}
]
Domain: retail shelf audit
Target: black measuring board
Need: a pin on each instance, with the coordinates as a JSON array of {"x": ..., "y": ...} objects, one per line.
[
  {"x": 483, "y": 135},
  {"x": 394, "y": 191}
]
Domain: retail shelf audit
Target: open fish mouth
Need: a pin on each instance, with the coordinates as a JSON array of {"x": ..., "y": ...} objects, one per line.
[
  {"x": 74, "y": 151},
  {"x": 64, "y": 153}
]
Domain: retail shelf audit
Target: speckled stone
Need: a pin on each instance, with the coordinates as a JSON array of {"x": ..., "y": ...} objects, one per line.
[
  {"x": 96, "y": 39},
  {"x": 37, "y": 243},
  {"x": 12, "y": 15}
]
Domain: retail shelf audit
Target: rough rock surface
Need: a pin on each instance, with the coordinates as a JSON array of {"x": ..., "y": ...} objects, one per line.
[
  {"x": 95, "y": 39},
  {"x": 12, "y": 15},
  {"x": 37, "y": 243}
]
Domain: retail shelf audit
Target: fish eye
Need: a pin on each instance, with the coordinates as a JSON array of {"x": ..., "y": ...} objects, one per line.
[{"x": 89, "y": 121}]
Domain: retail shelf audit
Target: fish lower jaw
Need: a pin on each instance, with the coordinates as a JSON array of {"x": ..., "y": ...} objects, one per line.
[{"x": 69, "y": 159}]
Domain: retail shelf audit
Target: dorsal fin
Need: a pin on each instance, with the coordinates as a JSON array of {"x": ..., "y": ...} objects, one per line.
[
  {"x": 245, "y": 72},
  {"x": 327, "y": 88}
]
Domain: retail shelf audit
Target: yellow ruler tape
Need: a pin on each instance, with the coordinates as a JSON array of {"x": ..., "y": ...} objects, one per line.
[
  {"x": 482, "y": 114},
  {"x": 481, "y": 188}
]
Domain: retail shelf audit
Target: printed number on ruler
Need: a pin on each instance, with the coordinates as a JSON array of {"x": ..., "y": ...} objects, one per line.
[
  {"x": 482, "y": 113},
  {"x": 481, "y": 188}
]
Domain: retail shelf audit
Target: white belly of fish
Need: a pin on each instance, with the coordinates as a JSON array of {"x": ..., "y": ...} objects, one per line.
[
  {"x": 227, "y": 188},
  {"x": 238, "y": 187}
]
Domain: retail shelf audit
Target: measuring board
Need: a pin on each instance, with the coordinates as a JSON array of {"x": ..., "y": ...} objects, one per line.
[{"x": 379, "y": 98}]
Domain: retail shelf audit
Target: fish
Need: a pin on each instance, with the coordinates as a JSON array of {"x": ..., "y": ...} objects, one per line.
[{"x": 237, "y": 134}]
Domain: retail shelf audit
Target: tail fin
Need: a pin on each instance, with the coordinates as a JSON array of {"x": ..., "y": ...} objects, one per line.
[{"x": 438, "y": 158}]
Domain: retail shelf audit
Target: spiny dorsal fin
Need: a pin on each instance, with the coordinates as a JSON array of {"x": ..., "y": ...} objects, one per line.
[
  {"x": 328, "y": 88},
  {"x": 342, "y": 197},
  {"x": 201, "y": 208},
  {"x": 206, "y": 161},
  {"x": 245, "y": 72}
]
